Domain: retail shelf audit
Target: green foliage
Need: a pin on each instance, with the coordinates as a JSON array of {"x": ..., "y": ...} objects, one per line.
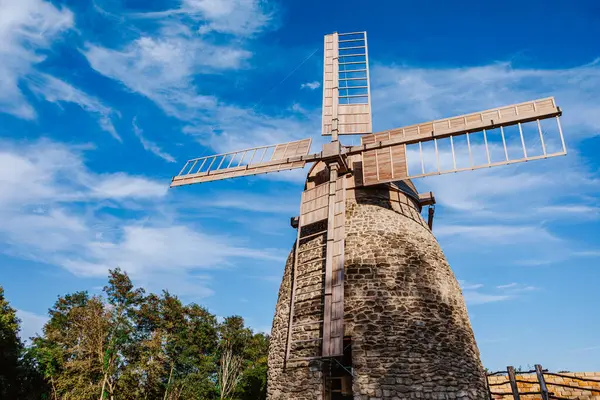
[
  {"x": 19, "y": 378},
  {"x": 128, "y": 344}
]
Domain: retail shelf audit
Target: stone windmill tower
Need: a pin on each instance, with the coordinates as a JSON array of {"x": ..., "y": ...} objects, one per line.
[{"x": 368, "y": 306}]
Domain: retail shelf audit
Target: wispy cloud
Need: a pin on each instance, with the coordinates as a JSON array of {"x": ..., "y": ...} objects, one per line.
[
  {"x": 498, "y": 233},
  {"x": 149, "y": 145},
  {"x": 60, "y": 199},
  {"x": 237, "y": 17},
  {"x": 27, "y": 30},
  {"x": 263, "y": 203},
  {"x": 403, "y": 95},
  {"x": 164, "y": 65},
  {"x": 477, "y": 294},
  {"x": 588, "y": 348},
  {"x": 421, "y": 94},
  {"x": 169, "y": 65},
  {"x": 311, "y": 85},
  {"x": 57, "y": 91}
]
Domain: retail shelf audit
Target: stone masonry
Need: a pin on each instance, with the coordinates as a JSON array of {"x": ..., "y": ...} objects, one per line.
[{"x": 404, "y": 311}]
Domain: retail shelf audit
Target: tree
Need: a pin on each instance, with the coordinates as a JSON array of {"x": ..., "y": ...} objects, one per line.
[
  {"x": 253, "y": 382},
  {"x": 19, "y": 378},
  {"x": 230, "y": 370},
  {"x": 123, "y": 303},
  {"x": 127, "y": 345},
  {"x": 10, "y": 348}
]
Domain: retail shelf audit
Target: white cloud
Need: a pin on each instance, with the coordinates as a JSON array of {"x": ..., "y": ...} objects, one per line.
[
  {"x": 469, "y": 286},
  {"x": 497, "y": 233},
  {"x": 148, "y": 249},
  {"x": 57, "y": 91},
  {"x": 168, "y": 67},
  {"x": 475, "y": 294},
  {"x": 121, "y": 185},
  {"x": 509, "y": 285},
  {"x": 164, "y": 65},
  {"x": 46, "y": 172},
  {"x": 236, "y": 17},
  {"x": 239, "y": 128},
  {"x": 311, "y": 85},
  {"x": 162, "y": 69},
  {"x": 513, "y": 206},
  {"x": 571, "y": 210},
  {"x": 151, "y": 146},
  {"x": 31, "y": 324},
  {"x": 483, "y": 298},
  {"x": 403, "y": 95},
  {"x": 61, "y": 213},
  {"x": 27, "y": 29},
  {"x": 263, "y": 203},
  {"x": 239, "y": 17},
  {"x": 407, "y": 95}
]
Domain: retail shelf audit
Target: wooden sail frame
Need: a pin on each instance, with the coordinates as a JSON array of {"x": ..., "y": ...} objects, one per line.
[
  {"x": 384, "y": 154},
  {"x": 346, "y": 85},
  {"x": 283, "y": 156}
]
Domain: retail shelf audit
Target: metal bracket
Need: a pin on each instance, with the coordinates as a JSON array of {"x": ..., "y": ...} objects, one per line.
[{"x": 295, "y": 222}]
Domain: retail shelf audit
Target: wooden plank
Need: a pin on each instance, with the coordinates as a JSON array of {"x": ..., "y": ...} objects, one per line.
[
  {"x": 336, "y": 336},
  {"x": 475, "y": 122},
  {"x": 314, "y": 204},
  {"x": 333, "y": 176},
  {"x": 384, "y": 165},
  {"x": 325, "y": 347}
]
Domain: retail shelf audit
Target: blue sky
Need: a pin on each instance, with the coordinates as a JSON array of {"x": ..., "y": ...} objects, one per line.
[{"x": 102, "y": 102}]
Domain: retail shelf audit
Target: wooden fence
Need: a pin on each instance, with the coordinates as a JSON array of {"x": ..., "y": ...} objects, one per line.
[{"x": 544, "y": 385}]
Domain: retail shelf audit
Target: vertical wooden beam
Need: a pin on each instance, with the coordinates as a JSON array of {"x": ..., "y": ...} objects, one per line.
[
  {"x": 430, "y": 218},
  {"x": 294, "y": 274},
  {"x": 513, "y": 383},
  {"x": 333, "y": 174},
  {"x": 540, "y": 376},
  {"x": 336, "y": 89}
]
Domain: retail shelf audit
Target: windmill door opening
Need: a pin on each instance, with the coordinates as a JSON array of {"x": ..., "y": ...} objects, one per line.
[{"x": 339, "y": 382}]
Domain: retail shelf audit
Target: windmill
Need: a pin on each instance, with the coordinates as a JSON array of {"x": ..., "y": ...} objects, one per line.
[{"x": 314, "y": 329}]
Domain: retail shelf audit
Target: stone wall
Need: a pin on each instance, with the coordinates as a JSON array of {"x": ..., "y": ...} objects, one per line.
[
  {"x": 404, "y": 311},
  {"x": 560, "y": 391}
]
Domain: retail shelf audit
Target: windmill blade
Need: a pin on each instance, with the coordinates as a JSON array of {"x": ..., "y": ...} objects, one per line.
[
  {"x": 257, "y": 160},
  {"x": 385, "y": 156},
  {"x": 346, "y": 85}
]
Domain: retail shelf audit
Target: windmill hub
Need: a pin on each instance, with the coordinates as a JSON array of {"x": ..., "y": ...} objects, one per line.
[{"x": 368, "y": 307}]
